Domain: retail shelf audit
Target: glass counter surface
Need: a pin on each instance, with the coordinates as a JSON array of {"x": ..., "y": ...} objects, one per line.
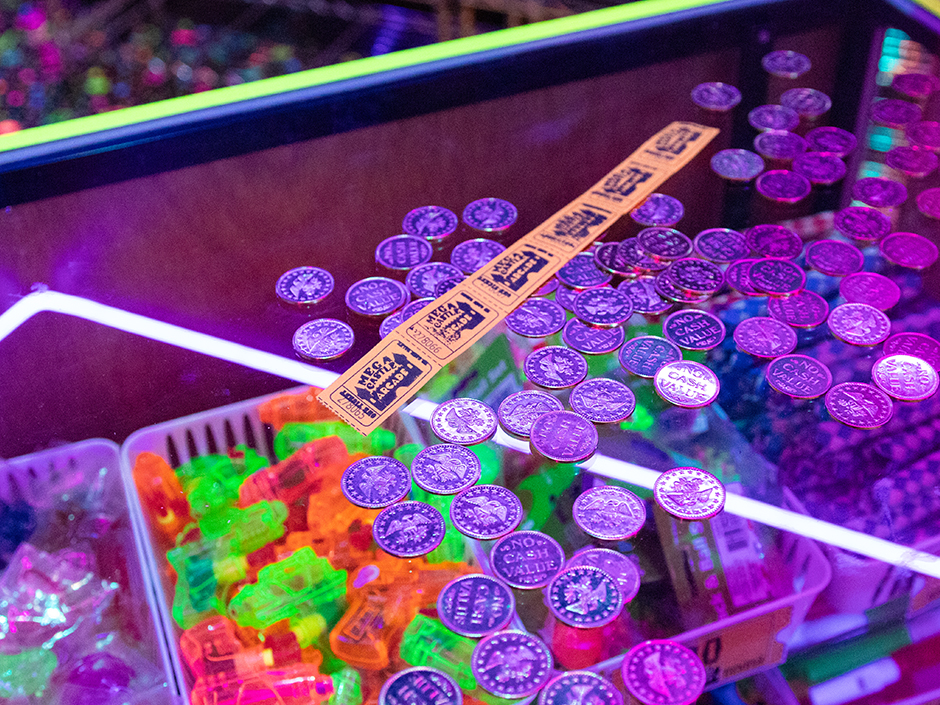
[{"x": 176, "y": 229}]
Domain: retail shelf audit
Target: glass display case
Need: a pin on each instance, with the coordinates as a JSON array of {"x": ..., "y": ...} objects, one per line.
[{"x": 141, "y": 253}]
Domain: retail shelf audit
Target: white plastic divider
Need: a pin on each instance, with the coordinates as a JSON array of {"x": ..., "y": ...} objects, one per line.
[{"x": 770, "y": 515}]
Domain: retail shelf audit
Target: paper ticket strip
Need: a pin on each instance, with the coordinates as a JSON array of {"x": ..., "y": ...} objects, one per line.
[{"x": 395, "y": 369}]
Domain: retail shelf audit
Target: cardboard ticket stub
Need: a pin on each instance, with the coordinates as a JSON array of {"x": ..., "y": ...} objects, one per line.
[{"x": 393, "y": 371}]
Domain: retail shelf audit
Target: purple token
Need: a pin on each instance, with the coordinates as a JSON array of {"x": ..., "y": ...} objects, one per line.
[
  {"x": 915, "y": 163},
  {"x": 603, "y": 400},
  {"x": 490, "y": 215},
  {"x": 668, "y": 290},
  {"x": 905, "y": 377},
  {"x": 862, "y": 224},
  {"x": 928, "y": 203},
  {"x": 400, "y": 253},
  {"x": 909, "y": 250},
  {"x": 823, "y": 168},
  {"x": 486, "y": 512},
  {"x": 422, "y": 280},
  {"x": 859, "y": 324},
  {"x": 916, "y": 344},
  {"x": 471, "y": 255},
  {"x": 430, "y": 222},
  {"x": 642, "y": 294},
  {"x": 445, "y": 285},
  {"x": 663, "y": 244},
  {"x": 463, "y": 421},
  {"x": 687, "y": 384},
  {"x": 475, "y": 605},
  {"x": 615, "y": 564},
  {"x": 721, "y": 245},
  {"x": 774, "y": 241},
  {"x": 645, "y": 355},
  {"x": 925, "y": 135},
  {"x": 737, "y": 164},
  {"x": 607, "y": 258},
  {"x": 602, "y": 308},
  {"x": 879, "y": 192},
  {"x": 304, "y": 286},
  {"x": 546, "y": 289},
  {"x": 389, "y": 323},
  {"x": 764, "y": 337},
  {"x": 629, "y": 252},
  {"x": 563, "y": 436},
  {"x": 376, "y": 482},
  {"x": 415, "y": 307},
  {"x": 859, "y": 405},
  {"x": 580, "y": 687},
  {"x": 421, "y": 685},
  {"x": 582, "y": 273},
  {"x": 445, "y": 468},
  {"x": 779, "y": 144},
  {"x": 915, "y": 85},
  {"x": 806, "y": 102},
  {"x": 526, "y": 560},
  {"x": 536, "y": 318},
  {"x": 831, "y": 139},
  {"x": 584, "y": 597},
  {"x": 799, "y": 376},
  {"x": 323, "y": 339},
  {"x": 409, "y": 529},
  {"x": 834, "y": 257},
  {"x": 805, "y": 309},
  {"x": 695, "y": 276},
  {"x": 663, "y": 672},
  {"x": 870, "y": 288},
  {"x": 555, "y": 367},
  {"x": 511, "y": 664},
  {"x": 658, "y": 210},
  {"x": 783, "y": 186},
  {"x": 609, "y": 513},
  {"x": 773, "y": 117},
  {"x": 891, "y": 112},
  {"x": 592, "y": 341},
  {"x": 786, "y": 64},
  {"x": 694, "y": 330},
  {"x": 738, "y": 278},
  {"x": 518, "y": 411},
  {"x": 716, "y": 96},
  {"x": 565, "y": 297},
  {"x": 689, "y": 493},
  {"x": 376, "y": 297},
  {"x": 777, "y": 277}
]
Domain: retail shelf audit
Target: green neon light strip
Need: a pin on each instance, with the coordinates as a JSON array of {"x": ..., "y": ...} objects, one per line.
[{"x": 125, "y": 117}]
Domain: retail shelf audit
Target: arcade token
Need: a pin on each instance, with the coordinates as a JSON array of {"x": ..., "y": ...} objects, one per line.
[
  {"x": 928, "y": 203},
  {"x": 870, "y": 288},
  {"x": 376, "y": 482},
  {"x": 629, "y": 251},
  {"x": 609, "y": 513},
  {"x": 695, "y": 276},
  {"x": 471, "y": 255},
  {"x": 891, "y": 112},
  {"x": 859, "y": 324},
  {"x": 518, "y": 411},
  {"x": 689, "y": 493},
  {"x": 584, "y": 597},
  {"x": 924, "y": 135},
  {"x": 400, "y": 253},
  {"x": 694, "y": 330},
  {"x": 737, "y": 164},
  {"x": 915, "y": 163},
  {"x": 491, "y": 215},
  {"x": 666, "y": 289},
  {"x": 389, "y": 323},
  {"x": 607, "y": 257},
  {"x": 859, "y": 405},
  {"x": 565, "y": 297},
  {"x": 546, "y": 289},
  {"x": 421, "y": 685},
  {"x": 642, "y": 294},
  {"x": 645, "y": 355},
  {"x": 422, "y": 280},
  {"x": 878, "y": 192},
  {"x": 806, "y": 102},
  {"x": 445, "y": 285},
  {"x": 716, "y": 96},
  {"x": 738, "y": 278},
  {"x": 834, "y": 257},
  {"x": 415, "y": 306},
  {"x": 764, "y": 337},
  {"x": 536, "y": 318},
  {"x": 779, "y": 145},
  {"x": 409, "y": 529},
  {"x": 376, "y": 297},
  {"x": 783, "y": 186},
  {"x": 777, "y": 277},
  {"x": 304, "y": 286},
  {"x": 430, "y": 222},
  {"x": 773, "y": 117},
  {"x": 721, "y": 245},
  {"x": 592, "y": 341},
  {"x": 806, "y": 309},
  {"x": 663, "y": 672},
  {"x": 563, "y": 436},
  {"x": 916, "y": 344},
  {"x": 915, "y": 85},
  {"x": 658, "y": 209},
  {"x": 786, "y": 64},
  {"x": 526, "y": 560},
  {"x": 822, "y": 168},
  {"x": 615, "y": 564},
  {"x": 476, "y": 605},
  {"x": 799, "y": 376},
  {"x": 905, "y": 377},
  {"x": 834, "y": 140},
  {"x": 511, "y": 664},
  {"x": 463, "y": 421},
  {"x": 555, "y": 367},
  {"x": 580, "y": 687},
  {"x": 602, "y": 400},
  {"x": 909, "y": 250},
  {"x": 663, "y": 244},
  {"x": 445, "y": 468},
  {"x": 323, "y": 339},
  {"x": 687, "y": 384},
  {"x": 603, "y": 307},
  {"x": 581, "y": 273},
  {"x": 486, "y": 512},
  {"x": 774, "y": 241}
]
